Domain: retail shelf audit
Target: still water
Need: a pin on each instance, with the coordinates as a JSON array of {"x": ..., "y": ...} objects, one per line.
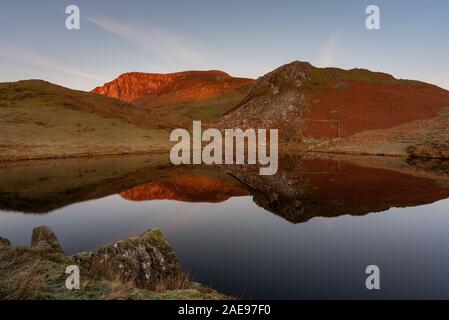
[{"x": 308, "y": 232}]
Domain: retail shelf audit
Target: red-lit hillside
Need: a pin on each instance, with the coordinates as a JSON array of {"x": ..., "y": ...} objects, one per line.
[{"x": 200, "y": 95}]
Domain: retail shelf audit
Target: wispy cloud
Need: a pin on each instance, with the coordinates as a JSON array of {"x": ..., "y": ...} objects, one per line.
[
  {"x": 23, "y": 56},
  {"x": 170, "y": 50},
  {"x": 328, "y": 52}
]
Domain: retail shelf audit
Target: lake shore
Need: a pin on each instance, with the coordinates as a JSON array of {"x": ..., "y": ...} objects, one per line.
[{"x": 142, "y": 268}]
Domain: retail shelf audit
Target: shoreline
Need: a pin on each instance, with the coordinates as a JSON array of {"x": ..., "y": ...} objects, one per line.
[{"x": 136, "y": 268}]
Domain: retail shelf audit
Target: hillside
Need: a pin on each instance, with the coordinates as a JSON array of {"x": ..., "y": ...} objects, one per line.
[
  {"x": 42, "y": 120},
  {"x": 198, "y": 95},
  {"x": 353, "y": 111}
]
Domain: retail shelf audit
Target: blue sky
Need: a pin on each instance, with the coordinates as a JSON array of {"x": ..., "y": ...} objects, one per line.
[{"x": 244, "y": 38}]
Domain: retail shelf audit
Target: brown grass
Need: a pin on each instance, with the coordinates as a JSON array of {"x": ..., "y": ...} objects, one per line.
[
  {"x": 106, "y": 269},
  {"x": 28, "y": 284},
  {"x": 179, "y": 281}
]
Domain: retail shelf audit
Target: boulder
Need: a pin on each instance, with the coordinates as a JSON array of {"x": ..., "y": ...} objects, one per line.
[
  {"x": 4, "y": 242},
  {"x": 144, "y": 261},
  {"x": 44, "y": 238}
]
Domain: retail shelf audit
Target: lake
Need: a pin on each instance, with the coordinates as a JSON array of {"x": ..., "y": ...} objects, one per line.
[{"x": 307, "y": 232}]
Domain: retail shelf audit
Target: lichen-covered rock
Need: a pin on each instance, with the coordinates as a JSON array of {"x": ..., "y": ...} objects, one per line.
[
  {"x": 135, "y": 269},
  {"x": 4, "y": 242},
  {"x": 144, "y": 261},
  {"x": 44, "y": 238}
]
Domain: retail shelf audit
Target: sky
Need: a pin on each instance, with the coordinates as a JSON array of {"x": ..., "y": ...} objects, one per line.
[{"x": 243, "y": 38}]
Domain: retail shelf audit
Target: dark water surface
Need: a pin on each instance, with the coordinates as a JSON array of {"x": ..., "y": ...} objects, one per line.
[{"x": 307, "y": 232}]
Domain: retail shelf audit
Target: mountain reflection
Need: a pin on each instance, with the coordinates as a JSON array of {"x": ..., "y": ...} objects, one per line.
[{"x": 306, "y": 185}]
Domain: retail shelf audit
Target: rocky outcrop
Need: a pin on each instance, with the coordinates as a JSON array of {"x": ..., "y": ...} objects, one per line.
[
  {"x": 351, "y": 111},
  {"x": 143, "y": 261},
  {"x": 138, "y": 268},
  {"x": 44, "y": 238},
  {"x": 274, "y": 99},
  {"x": 154, "y": 90}
]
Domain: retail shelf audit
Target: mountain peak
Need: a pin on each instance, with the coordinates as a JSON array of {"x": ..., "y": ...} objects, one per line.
[
  {"x": 189, "y": 92},
  {"x": 316, "y": 107}
]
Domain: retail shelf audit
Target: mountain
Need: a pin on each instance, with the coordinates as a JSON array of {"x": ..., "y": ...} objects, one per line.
[
  {"x": 42, "y": 120},
  {"x": 199, "y": 95},
  {"x": 348, "y": 111}
]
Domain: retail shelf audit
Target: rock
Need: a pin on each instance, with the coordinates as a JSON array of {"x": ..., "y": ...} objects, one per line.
[
  {"x": 143, "y": 261},
  {"x": 138, "y": 268},
  {"x": 44, "y": 238},
  {"x": 4, "y": 242}
]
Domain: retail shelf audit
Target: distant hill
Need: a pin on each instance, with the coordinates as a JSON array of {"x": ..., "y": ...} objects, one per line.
[
  {"x": 316, "y": 109},
  {"x": 198, "y": 95},
  {"x": 42, "y": 120},
  {"x": 351, "y": 111}
]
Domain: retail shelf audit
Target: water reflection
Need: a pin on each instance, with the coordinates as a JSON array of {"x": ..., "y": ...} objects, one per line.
[
  {"x": 306, "y": 185},
  {"x": 246, "y": 234}
]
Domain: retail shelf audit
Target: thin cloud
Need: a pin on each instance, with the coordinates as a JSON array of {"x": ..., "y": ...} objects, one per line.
[
  {"x": 328, "y": 52},
  {"x": 169, "y": 49},
  {"x": 20, "y": 55}
]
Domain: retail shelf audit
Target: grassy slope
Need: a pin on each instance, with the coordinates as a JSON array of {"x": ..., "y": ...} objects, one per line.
[
  {"x": 42, "y": 120},
  {"x": 400, "y": 133},
  {"x": 206, "y": 110}
]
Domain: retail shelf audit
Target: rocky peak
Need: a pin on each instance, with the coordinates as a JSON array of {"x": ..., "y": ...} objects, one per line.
[
  {"x": 286, "y": 77},
  {"x": 274, "y": 99},
  {"x": 133, "y": 85},
  {"x": 138, "y": 86},
  {"x": 322, "y": 107}
]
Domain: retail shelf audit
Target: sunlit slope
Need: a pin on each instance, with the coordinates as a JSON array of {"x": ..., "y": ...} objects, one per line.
[{"x": 42, "y": 120}]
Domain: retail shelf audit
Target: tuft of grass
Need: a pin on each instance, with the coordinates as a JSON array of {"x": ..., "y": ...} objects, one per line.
[{"x": 178, "y": 281}]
